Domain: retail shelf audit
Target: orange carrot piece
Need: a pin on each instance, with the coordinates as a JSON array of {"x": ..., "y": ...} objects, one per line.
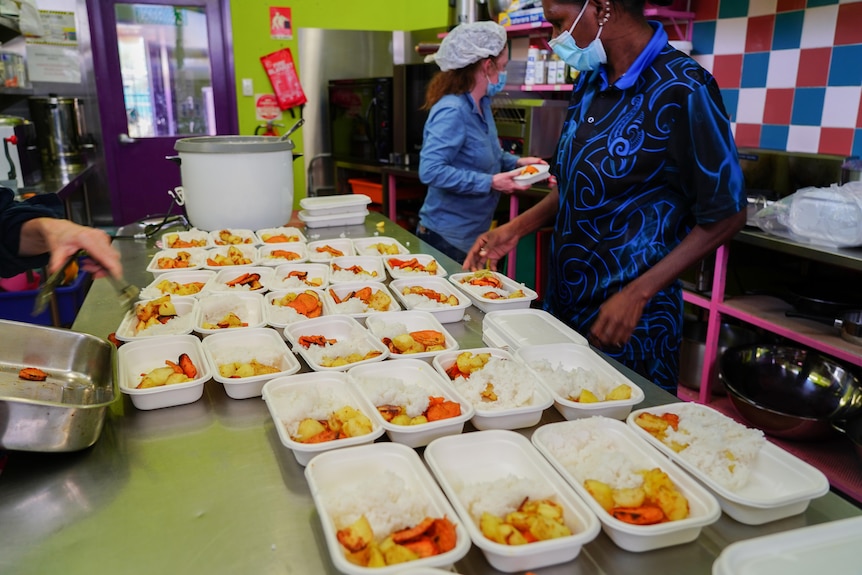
[{"x": 643, "y": 515}]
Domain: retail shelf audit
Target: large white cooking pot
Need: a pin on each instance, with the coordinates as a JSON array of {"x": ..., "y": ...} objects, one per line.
[{"x": 236, "y": 181}]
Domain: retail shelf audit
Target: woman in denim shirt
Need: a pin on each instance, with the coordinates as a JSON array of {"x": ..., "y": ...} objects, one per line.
[{"x": 461, "y": 161}]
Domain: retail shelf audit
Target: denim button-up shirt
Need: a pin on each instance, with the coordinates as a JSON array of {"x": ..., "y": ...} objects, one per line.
[{"x": 460, "y": 154}]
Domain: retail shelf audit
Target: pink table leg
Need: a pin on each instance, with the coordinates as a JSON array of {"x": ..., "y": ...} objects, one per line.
[
  {"x": 513, "y": 212},
  {"x": 709, "y": 372}
]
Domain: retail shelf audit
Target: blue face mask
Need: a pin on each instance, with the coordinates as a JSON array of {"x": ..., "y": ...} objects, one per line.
[
  {"x": 494, "y": 89},
  {"x": 581, "y": 59}
]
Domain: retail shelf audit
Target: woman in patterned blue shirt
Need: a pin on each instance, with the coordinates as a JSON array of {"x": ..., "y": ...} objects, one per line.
[
  {"x": 461, "y": 161},
  {"x": 648, "y": 183}
]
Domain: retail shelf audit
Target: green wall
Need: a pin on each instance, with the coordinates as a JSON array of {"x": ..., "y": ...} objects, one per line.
[{"x": 251, "y": 40}]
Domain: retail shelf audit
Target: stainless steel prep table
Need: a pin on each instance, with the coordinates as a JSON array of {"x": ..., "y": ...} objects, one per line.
[{"x": 208, "y": 488}]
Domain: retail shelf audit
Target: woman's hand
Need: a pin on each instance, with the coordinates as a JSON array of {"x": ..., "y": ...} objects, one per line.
[
  {"x": 490, "y": 247},
  {"x": 617, "y": 319},
  {"x": 62, "y": 238},
  {"x": 505, "y": 182}
]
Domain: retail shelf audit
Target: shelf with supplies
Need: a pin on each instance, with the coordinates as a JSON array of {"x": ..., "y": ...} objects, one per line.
[
  {"x": 767, "y": 312},
  {"x": 541, "y": 87},
  {"x": 677, "y": 18}
]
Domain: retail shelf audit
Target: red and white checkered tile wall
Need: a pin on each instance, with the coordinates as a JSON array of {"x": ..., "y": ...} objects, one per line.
[{"x": 790, "y": 70}]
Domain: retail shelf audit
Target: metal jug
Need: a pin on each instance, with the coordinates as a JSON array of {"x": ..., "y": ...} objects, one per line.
[{"x": 58, "y": 130}]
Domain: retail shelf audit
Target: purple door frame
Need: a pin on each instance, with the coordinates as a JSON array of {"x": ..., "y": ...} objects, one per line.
[{"x": 139, "y": 177}]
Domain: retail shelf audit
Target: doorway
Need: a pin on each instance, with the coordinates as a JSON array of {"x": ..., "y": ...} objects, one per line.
[{"x": 163, "y": 72}]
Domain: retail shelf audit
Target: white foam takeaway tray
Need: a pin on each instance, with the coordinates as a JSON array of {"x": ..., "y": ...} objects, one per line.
[
  {"x": 444, "y": 313},
  {"x": 370, "y": 246},
  {"x": 342, "y": 290},
  {"x": 328, "y": 205},
  {"x": 414, "y": 320},
  {"x": 341, "y": 328},
  {"x": 293, "y": 235},
  {"x": 571, "y": 356},
  {"x": 196, "y": 261},
  {"x": 371, "y": 265},
  {"x": 488, "y": 304},
  {"x": 292, "y": 398},
  {"x": 411, "y": 373},
  {"x": 504, "y": 418},
  {"x": 181, "y": 277},
  {"x": 333, "y": 220},
  {"x": 145, "y": 355},
  {"x": 330, "y": 475},
  {"x": 263, "y": 344},
  {"x": 781, "y": 484},
  {"x": 831, "y": 548},
  {"x": 231, "y": 273},
  {"x": 513, "y": 328},
  {"x": 182, "y": 324},
  {"x": 344, "y": 245},
  {"x": 319, "y": 272},
  {"x": 618, "y": 438},
  {"x": 498, "y": 456},
  {"x": 266, "y": 251},
  {"x": 423, "y": 260}
]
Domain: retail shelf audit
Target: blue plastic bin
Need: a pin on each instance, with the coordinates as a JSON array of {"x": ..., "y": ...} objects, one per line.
[{"x": 18, "y": 306}]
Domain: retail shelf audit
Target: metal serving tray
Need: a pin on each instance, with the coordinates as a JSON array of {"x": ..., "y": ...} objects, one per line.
[{"x": 65, "y": 412}]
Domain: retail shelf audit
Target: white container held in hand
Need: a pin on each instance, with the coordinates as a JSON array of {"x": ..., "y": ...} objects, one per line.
[{"x": 236, "y": 181}]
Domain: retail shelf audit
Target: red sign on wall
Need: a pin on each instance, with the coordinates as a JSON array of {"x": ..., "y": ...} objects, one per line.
[{"x": 280, "y": 26}]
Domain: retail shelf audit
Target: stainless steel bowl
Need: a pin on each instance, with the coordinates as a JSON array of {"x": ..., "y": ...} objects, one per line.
[{"x": 790, "y": 392}]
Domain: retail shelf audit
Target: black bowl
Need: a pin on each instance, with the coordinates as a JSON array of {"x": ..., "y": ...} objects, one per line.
[{"x": 790, "y": 392}]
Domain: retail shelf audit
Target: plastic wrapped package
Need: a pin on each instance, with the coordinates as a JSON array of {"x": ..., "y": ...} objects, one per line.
[{"x": 825, "y": 216}]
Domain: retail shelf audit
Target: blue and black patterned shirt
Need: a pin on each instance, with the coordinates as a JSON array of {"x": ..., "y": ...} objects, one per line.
[{"x": 638, "y": 164}]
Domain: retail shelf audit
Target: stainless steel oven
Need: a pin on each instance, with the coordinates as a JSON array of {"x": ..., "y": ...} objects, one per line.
[{"x": 529, "y": 127}]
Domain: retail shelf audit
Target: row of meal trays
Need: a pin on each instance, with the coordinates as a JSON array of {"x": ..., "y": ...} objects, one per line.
[
  {"x": 272, "y": 254},
  {"x": 260, "y": 300},
  {"x": 780, "y": 485}
]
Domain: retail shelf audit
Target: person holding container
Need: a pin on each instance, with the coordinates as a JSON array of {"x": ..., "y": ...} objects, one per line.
[
  {"x": 648, "y": 183},
  {"x": 461, "y": 160}
]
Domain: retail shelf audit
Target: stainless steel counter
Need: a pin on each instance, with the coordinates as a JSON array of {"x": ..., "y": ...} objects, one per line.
[{"x": 208, "y": 488}]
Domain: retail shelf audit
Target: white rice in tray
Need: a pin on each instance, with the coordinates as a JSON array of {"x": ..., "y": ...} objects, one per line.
[
  {"x": 176, "y": 325},
  {"x": 393, "y": 391},
  {"x": 569, "y": 383},
  {"x": 589, "y": 454},
  {"x": 283, "y": 314},
  {"x": 418, "y": 301},
  {"x": 215, "y": 308},
  {"x": 501, "y": 496},
  {"x": 345, "y": 275},
  {"x": 719, "y": 447},
  {"x": 291, "y": 283},
  {"x": 514, "y": 384},
  {"x": 244, "y": 354},
  {"x": 294, "y": 405},
  {"x": 384, "y": 499},
  {"x": 356, "y": 343}
]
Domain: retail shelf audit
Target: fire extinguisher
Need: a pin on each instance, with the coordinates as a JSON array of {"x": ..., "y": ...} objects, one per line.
[{"x": 269, "y": 129}]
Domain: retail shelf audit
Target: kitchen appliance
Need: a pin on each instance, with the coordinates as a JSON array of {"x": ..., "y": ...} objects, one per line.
[
  {"x": 243, "y": 182},
  {"x": 410, "y": 82},
  {"x": 529, "y": 127},
  {"x": 19, "y": 162},
  {"x": 59, "y": 130},
  {"x": 360, "y": 119}
]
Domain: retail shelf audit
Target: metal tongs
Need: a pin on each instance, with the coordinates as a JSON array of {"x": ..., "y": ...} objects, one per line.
[{"x": 127, "y": 293}]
